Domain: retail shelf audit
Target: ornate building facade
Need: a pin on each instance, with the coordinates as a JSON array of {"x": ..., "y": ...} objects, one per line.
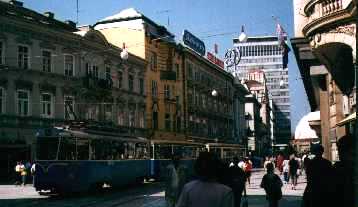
[
  {"x": 51, "y": 72},
  {"x": 325, "y": 49}
]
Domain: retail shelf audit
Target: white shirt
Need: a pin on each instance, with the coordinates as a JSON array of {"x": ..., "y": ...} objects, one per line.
[
  {"x": 285, "y": 166},
  {"x": 207, "y": 194},
  {"x": 241, "y": 164}
]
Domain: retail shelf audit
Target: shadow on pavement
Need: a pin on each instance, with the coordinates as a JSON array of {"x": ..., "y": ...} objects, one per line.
[
  {"x": 286, "y": 201},
  {"x": 118, "y": 197}
]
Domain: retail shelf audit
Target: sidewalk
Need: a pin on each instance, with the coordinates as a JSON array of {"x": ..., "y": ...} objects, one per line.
[{"x": 257, "y": 196}]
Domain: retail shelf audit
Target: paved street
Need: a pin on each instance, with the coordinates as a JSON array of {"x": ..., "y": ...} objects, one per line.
[{"x": 147, "y": 195}]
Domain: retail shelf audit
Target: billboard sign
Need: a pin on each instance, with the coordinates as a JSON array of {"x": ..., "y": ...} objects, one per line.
[
  {"x": 193, "y": 42},
  {"x": 215, "y": 60}
]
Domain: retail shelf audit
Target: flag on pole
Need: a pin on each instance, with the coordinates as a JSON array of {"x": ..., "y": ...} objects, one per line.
[
  {"x": 281, "y": 37},
  {"x": 216, "y": 49}
]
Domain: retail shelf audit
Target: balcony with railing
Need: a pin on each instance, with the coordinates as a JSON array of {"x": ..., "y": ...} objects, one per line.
[{"x": 323, "y": 13}]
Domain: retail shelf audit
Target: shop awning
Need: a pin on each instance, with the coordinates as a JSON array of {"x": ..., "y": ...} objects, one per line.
[{"x": 348, "y": 119}]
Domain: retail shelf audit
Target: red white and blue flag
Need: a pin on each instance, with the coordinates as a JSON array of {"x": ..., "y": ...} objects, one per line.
[{"x": 281, "y": 37}]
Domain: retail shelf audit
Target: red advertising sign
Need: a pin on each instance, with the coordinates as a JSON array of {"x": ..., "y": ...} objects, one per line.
[{"x": 215, "y": 60}]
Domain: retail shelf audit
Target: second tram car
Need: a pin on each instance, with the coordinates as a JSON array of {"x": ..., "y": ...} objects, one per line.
[{"x": 162, "y": 152}]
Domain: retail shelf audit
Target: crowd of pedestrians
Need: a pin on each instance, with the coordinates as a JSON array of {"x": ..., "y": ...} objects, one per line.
[{"x": 224, "y": 184}]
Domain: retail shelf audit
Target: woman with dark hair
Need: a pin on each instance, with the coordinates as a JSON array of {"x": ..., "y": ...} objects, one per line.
[{"x": 206, "y": 191}]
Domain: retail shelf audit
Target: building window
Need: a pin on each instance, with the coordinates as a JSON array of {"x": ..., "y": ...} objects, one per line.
[
  {"x": 108, "y": 74},
  {"x": 141, "y": 86},
  {"x": 46, "y": 105},
  {"x": 2, "y": 53},
  {"x": 131, "y": 118},
  {"x": 69, "y": 65},
  {"x": 120, "y": 77},
  {"x": 130, "y": 82},
  {"x": 177, "y": 70},
  {"x": 120, "y": 116},
  {"x": 141, "y": 119},
  {"x": 108, "y": 112},
  {"x": 23, "y": 59},
  {"x": 2, "y": 100},
  {"x": 46, "y": 61},
  {"x": 166, "y": 91},
  {"x": 167, "y": 122},
  {"x": 94, "y": 71},
  {"x": 190, "y": 71},
  {"x": 23, "y": 104},
  {"x": 154, "y": 88},
  {"x": 69, "y": 102},
  {"x": 155, "y": 120},
  {"x": 92, "y": 112},
  {"x": 153, "y": 61}
]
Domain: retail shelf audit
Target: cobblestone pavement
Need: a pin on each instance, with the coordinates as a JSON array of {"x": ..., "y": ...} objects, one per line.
[{"x": 147, "y": 195}]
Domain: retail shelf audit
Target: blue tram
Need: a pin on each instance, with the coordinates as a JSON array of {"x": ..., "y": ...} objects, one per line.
[{"x": 77, "y": 161}]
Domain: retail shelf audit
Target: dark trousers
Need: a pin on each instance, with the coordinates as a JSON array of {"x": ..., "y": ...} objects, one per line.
[
  {"x": 237, "y": 199},
  {"x": 273, "y": 203}
]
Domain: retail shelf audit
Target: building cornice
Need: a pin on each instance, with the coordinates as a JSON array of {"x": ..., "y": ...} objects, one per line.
[{"x": 329, "y": 21}]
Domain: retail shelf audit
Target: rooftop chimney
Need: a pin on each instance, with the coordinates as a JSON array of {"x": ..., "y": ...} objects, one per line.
[
  {"x": 16, "y": 3},
  {"x": 49, "y": 15}
]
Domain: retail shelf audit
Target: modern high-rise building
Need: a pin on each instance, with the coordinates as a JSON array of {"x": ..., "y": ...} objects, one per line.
[{"x": 264, "y": 53}]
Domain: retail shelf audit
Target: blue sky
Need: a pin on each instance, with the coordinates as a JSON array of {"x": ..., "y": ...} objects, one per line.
[{"x": 212, "y": 21}]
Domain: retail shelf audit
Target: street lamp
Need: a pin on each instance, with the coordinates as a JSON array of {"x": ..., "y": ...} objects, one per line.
[
  {"x": 243, "y": 36},
  {"x": 214, "y": 93}
]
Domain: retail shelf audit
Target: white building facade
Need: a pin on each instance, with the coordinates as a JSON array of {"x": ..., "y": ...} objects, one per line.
[{"x": 264, "y": 53}]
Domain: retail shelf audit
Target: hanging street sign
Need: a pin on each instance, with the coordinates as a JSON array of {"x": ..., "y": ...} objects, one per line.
[{"x": 193, "y": 42}]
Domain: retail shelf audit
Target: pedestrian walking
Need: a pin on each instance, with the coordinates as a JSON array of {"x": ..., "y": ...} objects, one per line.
[
  {"x": 206, "y": 191},
  {"x": 23, "y": 174},
  {"x": 279, "y": 161},
  {"x": 320, "y": 181},
  {"x": 285, "y": 168},
  {"x": 272, "y": 185},
  {"x": 242, "y": 163},
  {"x": 33, "y": 170},
  {"x": 292, "y": 171},
  {"x": 17, "y": 174},
  {"x": 237, "y": 179},
  {"x": 267, "y": 160},
  {"x": 248, "y": 169},
  {"x": 175, "y": 180}
]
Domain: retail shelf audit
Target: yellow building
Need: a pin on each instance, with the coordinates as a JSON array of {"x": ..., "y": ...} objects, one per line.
[
  {"x": 179, "y": 82},
  {"x": 141, "y": 36}
]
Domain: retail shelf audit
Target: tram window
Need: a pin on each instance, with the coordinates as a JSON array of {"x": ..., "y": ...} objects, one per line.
[
  {"x": 141, "y": 151},
  {"x": 67, "y": 148},
  {"x": 107, "y": 150},
  {"x": 82, "y": 149},
  {"x": 46, "y": 148},
  {"x": 163, "y": 152},
  {"x": 185, "y": 152}
]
